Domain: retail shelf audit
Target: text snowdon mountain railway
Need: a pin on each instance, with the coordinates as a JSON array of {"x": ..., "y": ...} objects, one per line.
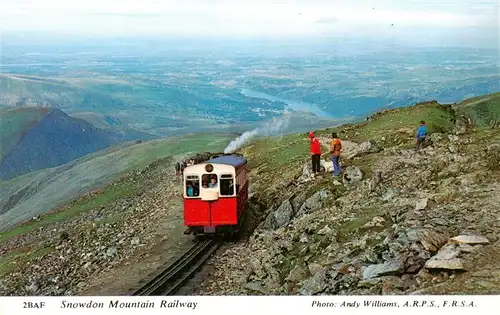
[{"x": 124, "y": 305}]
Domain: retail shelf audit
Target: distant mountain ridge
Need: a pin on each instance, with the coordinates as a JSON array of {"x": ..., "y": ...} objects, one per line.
[{"x": 49, "y": 138}]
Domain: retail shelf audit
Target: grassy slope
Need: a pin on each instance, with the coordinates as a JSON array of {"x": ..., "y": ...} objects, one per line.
[
  {"x": 481, "y": 109},
  {"x": 55, "y": 186},
  {"x": 13, "y": 125},
  {"x": 274, "y": 162}
]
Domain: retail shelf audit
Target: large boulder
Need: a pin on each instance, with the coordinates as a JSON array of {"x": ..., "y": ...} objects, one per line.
[
  {"x": 363, "y": 148},
  {"x": 352, "y": 174},
  {"x": 314, "y": 285},
  {"x": 280, "y": 217},
  {"x": 493, "y": 156},
  {"x": 314, "y": 202},
  {"x": 392, "y": 267},
  {"x": 431, "y": 240},
  {"x": 446, "y": 258},
  {"x": 450, "y": 256},
  {"x": 307, "y": 173}
]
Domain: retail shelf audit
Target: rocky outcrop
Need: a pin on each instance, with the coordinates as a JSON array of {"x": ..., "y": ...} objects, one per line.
[
  {"x": 280, "y": 217},
  {"x": 314, "y": 202},
  {"x": 361, "y": 149},
  {"x": 392, "y": 267},
  {"x": 449, "y": 257},
  {"x": 284, "y": 214},
  {"x": 403, "y": 229},
  {"x": 493, "y": 160},
  {"x": 352, "y": 175}
]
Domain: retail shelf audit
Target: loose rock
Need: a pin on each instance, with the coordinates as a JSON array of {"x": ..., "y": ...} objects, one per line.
[
  {"x": 470, "y": 239},
  {"x": 393, "y": 267}
]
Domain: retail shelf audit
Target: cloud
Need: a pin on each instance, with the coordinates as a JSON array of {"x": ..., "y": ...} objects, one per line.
[
  {"x": 240, "y": 17},
  {"x": 327, "y": 20}
]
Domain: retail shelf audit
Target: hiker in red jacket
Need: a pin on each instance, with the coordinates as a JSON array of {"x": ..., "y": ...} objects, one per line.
[{"x": 315, "y": 152}]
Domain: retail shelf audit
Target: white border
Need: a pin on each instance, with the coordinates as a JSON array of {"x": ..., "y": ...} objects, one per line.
[{"x": 253, "y": 305}]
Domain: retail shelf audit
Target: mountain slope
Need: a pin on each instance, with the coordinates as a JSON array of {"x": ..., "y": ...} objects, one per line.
[
  {"x": 48, "y": 138},
  {"x": 368, "y": 234},
  {"x": 14, "y": 124},
  {"x": 39, "y": 192},
  {"x": 481, "y": 110},
  {"x": 387, "y": 226}
]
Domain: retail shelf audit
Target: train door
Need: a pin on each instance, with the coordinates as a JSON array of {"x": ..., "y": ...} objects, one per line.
[
  {"x": 196, "y": 211},
  {"x": 224, "y": 209}
]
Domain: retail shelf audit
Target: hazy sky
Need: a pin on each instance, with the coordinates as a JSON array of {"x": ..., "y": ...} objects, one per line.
[{"x": 238, "y": 17}]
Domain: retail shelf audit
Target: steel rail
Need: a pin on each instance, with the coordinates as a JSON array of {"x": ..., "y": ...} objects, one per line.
[{"x": 175, "y": 275}]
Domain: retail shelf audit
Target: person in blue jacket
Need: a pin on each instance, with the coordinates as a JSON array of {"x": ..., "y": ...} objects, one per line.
[
  {"x": 421, "y": 134},
  {"x": 190, "y": 190}
]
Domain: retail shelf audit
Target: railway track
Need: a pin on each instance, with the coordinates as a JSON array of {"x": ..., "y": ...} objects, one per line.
[{"x": 172, "y": 278}]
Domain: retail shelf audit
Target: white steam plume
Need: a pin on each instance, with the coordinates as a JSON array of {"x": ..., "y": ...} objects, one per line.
[{"x": 277, "y": 125}]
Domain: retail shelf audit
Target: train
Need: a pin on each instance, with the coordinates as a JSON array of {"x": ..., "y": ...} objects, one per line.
[{"x": 216, "y": 195}]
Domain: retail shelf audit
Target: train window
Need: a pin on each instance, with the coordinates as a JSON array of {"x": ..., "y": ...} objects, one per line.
[
  {"x": 192, "y": 186},
  {"x": 209, "y": 181},
  {"x": 226, "y": 185}
]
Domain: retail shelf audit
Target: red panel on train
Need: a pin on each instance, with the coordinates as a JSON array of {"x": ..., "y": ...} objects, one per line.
[
  {"x": 215, "y": 194},
  {"x": 224, "y": 212},
  {"x": 196, "y": 212}
]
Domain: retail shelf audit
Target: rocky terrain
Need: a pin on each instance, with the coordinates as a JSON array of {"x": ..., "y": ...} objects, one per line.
[
  {"x": 396, "y": 222},
  {"x": 131, "y": 227}
]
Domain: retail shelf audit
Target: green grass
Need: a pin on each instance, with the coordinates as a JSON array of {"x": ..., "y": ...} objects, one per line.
[
  {"x": 14, "y": 123},
  {"x": 275, "y": 161},
  {"x": 438, "y": 119},
  {"x": 352, "y": 228},
  {"x": 481, "y": 109},
  {"x": 52, "y": 187},
  {"x": 397, "y": 127},
  {"x": 278, "y": 151},
  {"x": 9, "y": 261},
  {"x": 110, "y": 194}
]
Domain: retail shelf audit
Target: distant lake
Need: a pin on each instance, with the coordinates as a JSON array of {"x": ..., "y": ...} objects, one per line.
[{"x": 293, "y": 104}]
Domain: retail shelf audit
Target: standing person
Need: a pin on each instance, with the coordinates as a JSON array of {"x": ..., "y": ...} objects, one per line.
[
  {"x": 182, "y": 165},
  {"x": 421, "y": 134},
  {"x": 335, "y": 148},
  {"x": 177, "y": 169},
  {"x": 315, "y": 153}
]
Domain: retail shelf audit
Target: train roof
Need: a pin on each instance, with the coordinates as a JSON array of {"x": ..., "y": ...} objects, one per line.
[{"x": 233, "y": 160}]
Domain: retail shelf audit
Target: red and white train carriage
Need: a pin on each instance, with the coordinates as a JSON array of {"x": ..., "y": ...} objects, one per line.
[{"x": 215, "y": 195}]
